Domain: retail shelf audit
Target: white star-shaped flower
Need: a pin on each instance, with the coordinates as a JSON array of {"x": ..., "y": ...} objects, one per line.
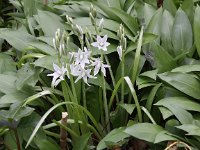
[
  {"x": 97, "y": 63},
  {"x": 119, "y": 51},
  {"x": 82, "y": 57},
  {"x": 58, "y": 75},
  {"x": 82, "y": 73},
  {"x": 101, "y": 43}
]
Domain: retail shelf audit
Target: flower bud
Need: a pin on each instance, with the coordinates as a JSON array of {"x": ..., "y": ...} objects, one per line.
[
  {"x": 87, "y": 42},
  {"x": 101, "y": 25},
  {"x": 61, "y": 49},
  {"x": 54, "y": 43},
  {"x": 79, "y": 31},
  {"x": 93, "y": 11},
  {"x": 124, "y": 43},
  {"x": 69, "y": 19},
  {"x": 64, "y": 37},
  {"x": 92, "y": 19},
  {"x": 58, "y": 35},
  {"x": 88, "y": 35}
]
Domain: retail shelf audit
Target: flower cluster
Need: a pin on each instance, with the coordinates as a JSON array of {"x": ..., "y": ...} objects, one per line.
[{"x": 81, "y": 64}]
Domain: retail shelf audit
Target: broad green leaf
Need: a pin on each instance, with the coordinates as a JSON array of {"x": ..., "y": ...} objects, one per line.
[
  {"x": 163, "y": 60},
  {"x": 120, "y": 16},
  {"x": 42, "y": 47},
  {"x": 18, "y": 39},
  {"x": 81, "y": 142},
  {"x": 147, "y": 38},
  {"x": 181, "y": 114},
  {"x": 27, "y": 75},
  {"x": 182, "y": 102},
  {"x": 140, "y": 86},
  {"x": 128, "y": 20},
  {"x": 166, "y": 113},
  {"x": 154, "y": 25},
  {"x": 7, "y": 64},
  {"x": 142, "y": 81},
  {"x": 166, "y": 31},
  {"x": 30, "y": 7},
  {"x": 151, "y": 74},
  {"x": 128, "y": 107},
  {"x": 128, "y": 4},
  {"x": 144, "y": 11},
  {"x": 187, "y": 68},
  {"x": 44, "y": 144},
  {"x": 33, "y": 97},
  {"x": 151, "y": 97},
  {"x": 47, "y": 61},
  {"x": 16, "y": 112},
  {"x": 7, "y": 83},
  {"x": 188, "y": 8},
  {"x": 182, "y": 36},
  {"x": 196, "y": 27},
  {"x": 49, "y": 22},
  {"x": 192, "y": 129},
  {"x": 111, "y": 3},
  {"x": 13, "y": 97},
  {"x": 164, "y": 136},
  {"x": 144, "y": 131},
  {"x": 183, "y": 82},
  {"x": 114, "y": 136},
  {"x": 22, "y": 41},
  {"x": 170, "y": 6}
]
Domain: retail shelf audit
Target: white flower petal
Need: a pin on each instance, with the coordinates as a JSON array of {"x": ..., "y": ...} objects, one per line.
[
  {"x": 119, "y": 51},
  {"x": 55, "y": 67},
  {"x": 103, "y": 70},
  {"x": 95, "y": 44},
  {"x": 104, "y": 39},
  {"x": 79, "y": 77}
]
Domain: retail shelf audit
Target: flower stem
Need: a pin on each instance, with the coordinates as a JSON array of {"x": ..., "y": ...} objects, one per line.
[
  {"x": 101, "y": 106},
  {"x": 105, "y": 100},
  {"x": 122, "y": 75},
  {"x": 73, "y": 89},
  {"x": 84, "y": 95}
]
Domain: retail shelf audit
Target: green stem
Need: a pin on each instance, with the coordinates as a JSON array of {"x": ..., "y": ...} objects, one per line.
[
  {"x": 65, "y": 92},
  {"x": 105, "y": 100},
  {"x": 101, "y": 106},
  {"x": 112, "y": 76},
  {"x": 122, "y": 75},
  {"x": 55, "y": 135},
  {"x": 84, "y": 94},
  {"x": 96, "y": 29},
  {"x": 73, "y": 89}
]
